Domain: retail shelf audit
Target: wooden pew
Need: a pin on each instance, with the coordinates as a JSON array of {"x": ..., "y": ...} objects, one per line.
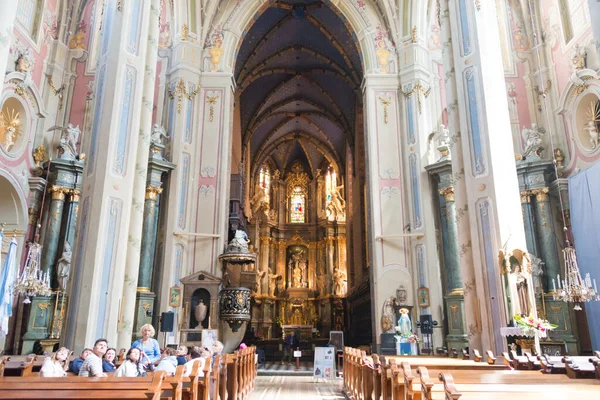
[
  {"x": 3, "y": 364},
  {"x": 491, "y": 360},
  {"x": 196, "y": 387},
  {"x": 476, "y": 356},
  {"x": 465, "y": 354},
  {"x": 34, "y": 387},
  {"x": 172, "y": 386},
  {"x": 578, "y": 371}
]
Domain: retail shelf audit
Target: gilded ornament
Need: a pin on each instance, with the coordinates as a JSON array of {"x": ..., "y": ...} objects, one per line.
[
  {"x": 540, "y": 94},
  {"x": 212, "y": 100},
  {"x": 419, "y": 90},
  {"x": 39, "y": 155},
  {"x": 184, "y": 32},
  {"x": 77, "y": 41},
  {"x": 181, "y": 92},
  {"x": 57, "y": 92},
  {"x": 591, "y": 125},
  {"x": 383, "y": 55},
  {"x": 414, "y": 38},
  {"x": 10, "y": 123},
  {"x": 215, "y": 54},
  {"x": 448, "y": 193},
  {"x": 152, "y": 192},
  {"x": 385, "y": 102}
]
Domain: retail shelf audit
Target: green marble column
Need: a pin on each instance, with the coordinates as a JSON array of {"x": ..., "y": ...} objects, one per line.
[
  {"x": 528, "y": 221},
  {"x": 53, "y": 228},
  {"x": 454, "y": 281},
  {"x": 148, "y": 235},
  {"x": 546, "y": 236}
]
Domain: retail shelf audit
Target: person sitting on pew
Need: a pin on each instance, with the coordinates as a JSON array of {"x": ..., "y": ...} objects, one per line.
[
  {"x": 54, "y": 366},
  {"x": 182, "y": 353},
  {"x": 149, "y": 346},
  {"x": 76, "y": 364},
  {"x": 196, "y": 356},
  {"x": 168, "y": 362},
  {"x": 217, "y": 349},
  {"x": 92, "y": 366},
  {"x": 132, "y": 366},
  {"x": 108, "y": 361}
]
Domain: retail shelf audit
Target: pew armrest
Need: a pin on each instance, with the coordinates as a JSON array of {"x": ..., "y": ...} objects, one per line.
[
  {"x": 450, "y": 391},
  {"x": 490, "y": 357}
]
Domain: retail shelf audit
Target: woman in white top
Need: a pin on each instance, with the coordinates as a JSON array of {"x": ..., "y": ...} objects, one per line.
[
  {"x": 132, "y": 366},
  {"x": 54, "y": 366}
]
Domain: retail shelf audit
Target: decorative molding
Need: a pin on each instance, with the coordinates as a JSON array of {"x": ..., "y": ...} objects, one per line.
[
  {"x": 181, "y": 91},
  {"x": 390, "y": 173},
  {"x": 208, "y": 171},
  {"x": 464, "y": 27},
  {"x": 152, "y": 192},
  {"x": 185, "y": 172},
  {"x": 539, "y": 93},
  {"x": 385, "y": 102},
  {"x": 390, "y": 192},
  {"x": 57, "y": 92},
  {"x": 206, "y": 190},
  {"x": 212, "y": 100},
  {"x": 124, "y": 123},
  {"x": 414, "y": 178},
  {"x": 419, "y": 90},
  {"x": 448, "y": 193},
  {"x": 414, "y": 38},
  {"x": 540, "y": 194},
  {"x": 184, "y": 32},
  {"x": 474, "y": 127},
  {"x": 478, "y": 5}
]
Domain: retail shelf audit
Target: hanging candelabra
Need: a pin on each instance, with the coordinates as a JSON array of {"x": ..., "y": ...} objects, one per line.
[
  {"x": 33, "y": 281},
  {"x": 574, "y": 288}
]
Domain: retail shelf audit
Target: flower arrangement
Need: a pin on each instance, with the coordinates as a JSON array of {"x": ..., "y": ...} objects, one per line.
[
  {"x": 413, "y": 339},
  {"x": 531, "y": 326}
]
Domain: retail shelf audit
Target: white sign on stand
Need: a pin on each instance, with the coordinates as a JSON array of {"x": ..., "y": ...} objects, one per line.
[{"x": 324, "y": 363}]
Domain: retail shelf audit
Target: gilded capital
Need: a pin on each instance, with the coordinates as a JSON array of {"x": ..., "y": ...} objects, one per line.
[
  {"x": 540, "y": 194},
  {"x": 152, "y": 192},
  {"x": 448, "y": 193},
  {"x": 58, "y": 192},
  {"x": 525, "y": 196},
  {"x": 75, "y": 195}
]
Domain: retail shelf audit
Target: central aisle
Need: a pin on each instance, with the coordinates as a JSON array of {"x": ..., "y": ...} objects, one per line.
[{"x": 296, "y": 387}]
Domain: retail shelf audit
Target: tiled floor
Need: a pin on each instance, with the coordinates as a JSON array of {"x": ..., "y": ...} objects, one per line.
[
  {"x": 296, "y": 387},
  {"x": 277, "y": 368}
]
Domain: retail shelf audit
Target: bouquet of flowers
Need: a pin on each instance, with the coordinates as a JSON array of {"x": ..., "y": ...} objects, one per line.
[
  {"x": 532, "y": 326},
  {"x": 413, "y": 339}
]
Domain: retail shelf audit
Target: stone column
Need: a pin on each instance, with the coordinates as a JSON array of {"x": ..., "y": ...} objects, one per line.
[
  {"x": 7, "y": 20},
  {"x": 263, "y": 259},
  {"x": 73, "y": 208},
  {"x": 137, "y": 216},
  {"x": 489, "y": 165},
  {"x": 52, "y": 234},
  {"x": 547, "y": 238},
  {"x": 104, "y": 280},
  {"x": 527, "y": 212}
]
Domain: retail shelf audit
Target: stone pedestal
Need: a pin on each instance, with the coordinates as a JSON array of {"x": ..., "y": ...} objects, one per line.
[
  {"x": 144, "y": 310},
  {"x": 39, "y": 324}
]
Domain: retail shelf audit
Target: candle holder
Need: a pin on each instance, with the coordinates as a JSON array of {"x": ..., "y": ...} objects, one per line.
[
  {"x": 33, "y": 281},
  {"x": 574, "y": 288}
]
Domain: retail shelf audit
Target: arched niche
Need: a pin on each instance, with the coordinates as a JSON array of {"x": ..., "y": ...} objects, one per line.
[
  {"x": 586, "y": 121},
  {"x": 14, "y": 126},
  {"x": 199, "y": 295}
]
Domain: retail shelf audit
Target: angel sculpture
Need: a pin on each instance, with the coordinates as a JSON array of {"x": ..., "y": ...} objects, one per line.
[{"x": 591, "y": 125}]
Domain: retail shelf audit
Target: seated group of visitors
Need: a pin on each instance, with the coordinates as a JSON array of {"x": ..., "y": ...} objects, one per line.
[{"x": 144, "y": 355}]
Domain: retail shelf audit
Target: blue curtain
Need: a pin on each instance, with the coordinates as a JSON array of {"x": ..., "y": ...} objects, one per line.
[{"x": 584, "y": 199}]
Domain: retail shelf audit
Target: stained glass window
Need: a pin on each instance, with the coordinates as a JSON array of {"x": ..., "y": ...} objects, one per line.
[
  {"x": 265, "y": 182},
  {"x": 297, "y": 200}
]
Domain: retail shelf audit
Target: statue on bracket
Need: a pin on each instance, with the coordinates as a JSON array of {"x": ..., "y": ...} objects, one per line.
[
  {"x": 404, "y": 327},
  {"x": 259, "y": 276},
  {"x": 339, "y": 282},
  {"x": 533, "y": 141},
  {"x": 272, "y": 284},
  {"x": 158, "y": 138},
  {"x": 256, "y": 203},
  {"x": 239, "y": 243},
  {"x": 578, "y": 57},
  {"x": 387, "y": 318},
  {"x": 297, "y": 265},
  {"x": 63, "y": 267},
  {"x": 69, "y": 136},
  {"x": 337, "y": 205},
  {"x": 517, "y": 267},
  {"x": 444, "y": 143}
]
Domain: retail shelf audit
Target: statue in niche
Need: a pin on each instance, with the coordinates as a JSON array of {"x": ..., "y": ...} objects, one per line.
[
  {"x": 517, "y": 266},
  {"x": 259, "y": 276},
  {"x": 63, "y": 267},
  {"x": 256, "y": 203},
  {"x": 239, "y": 243},
  {"x": 591, "y": 125},
  {"x": 273, "y": 284},
  {"x": 533, "y": 140},
  {"x": 337, "y": 205},
  {"x": 157, "y": 135},
  {"x": 9, "y": 126},
  {"x": 404, "y": 327},
  {"x": 68, "y": 141},
  {"x": 297, "y": 265},
  {"x": 339, "y": 282},
  {"x": 200, "y": 313},
  {"x": 578, "y": 57},
  {"x": 387, "y": 318},
  {"x": 522, "y": 289}
]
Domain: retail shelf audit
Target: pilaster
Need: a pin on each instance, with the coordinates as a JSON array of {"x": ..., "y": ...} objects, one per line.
[
  {"x": 7, "y": 18},
  {"x": 100, "y": 267}
]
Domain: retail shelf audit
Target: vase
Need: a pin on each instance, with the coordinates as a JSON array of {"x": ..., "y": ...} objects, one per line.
[{"x": 234, "y": 314}]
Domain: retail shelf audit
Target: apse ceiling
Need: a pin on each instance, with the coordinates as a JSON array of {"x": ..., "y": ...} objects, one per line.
[{"x": 298, "y": 71}]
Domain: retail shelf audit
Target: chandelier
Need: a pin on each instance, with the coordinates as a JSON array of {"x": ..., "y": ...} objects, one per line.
[
  {"x": 33, "y": 281},
  {"x": 574, "y": 289}
]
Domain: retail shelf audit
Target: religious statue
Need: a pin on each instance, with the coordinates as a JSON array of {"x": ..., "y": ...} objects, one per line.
[
  {"x": 444, "y": 140},
  {"x": 9, "y": 128},
  {"x": 522, "y": 290},
  {"x": 259, "y": 276},
  {"x": 273, "y": 284},
  {"x": 559, "y": 157},
  {"x": 77, "y": 41},
  {"x": 383, "y": 55},
  {"x": 39, "y": 155},
  {"x": 533, "y": 140},
  {"x": 63, "y": 267},
  {"x": 537, "y": 270},
  {"x": 339, "y": 282},
  {"x": 24, "y": 60},
  {"x": 387, "y": 317},
  {"x": 157, "y": 135},
  {"x": 68, "y": 141},
  {"x": 215, "y": 54},
  {"x": 239, "y": 243},
  {"x": 591, "y": 125},
  {"x": 578, "y": 57},
  {"x": 258, "y": 200},
  {"x": 337, "y": 205},
  {"x": 404, "y": 326},
  {"x": 200, "y": 313},
  {"x": 297, "y": 265}
]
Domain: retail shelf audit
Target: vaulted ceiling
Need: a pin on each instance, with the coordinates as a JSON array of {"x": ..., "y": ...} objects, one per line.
[{"x": 298, "y": 72}]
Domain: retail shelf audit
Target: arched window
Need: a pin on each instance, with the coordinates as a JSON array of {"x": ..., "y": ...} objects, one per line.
[
  {"x": 265, "y": 182},
  {"x": 330, "y": 185},
  {"x": 297, "y": 206},
  {"x": 29, "y": 13}
]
